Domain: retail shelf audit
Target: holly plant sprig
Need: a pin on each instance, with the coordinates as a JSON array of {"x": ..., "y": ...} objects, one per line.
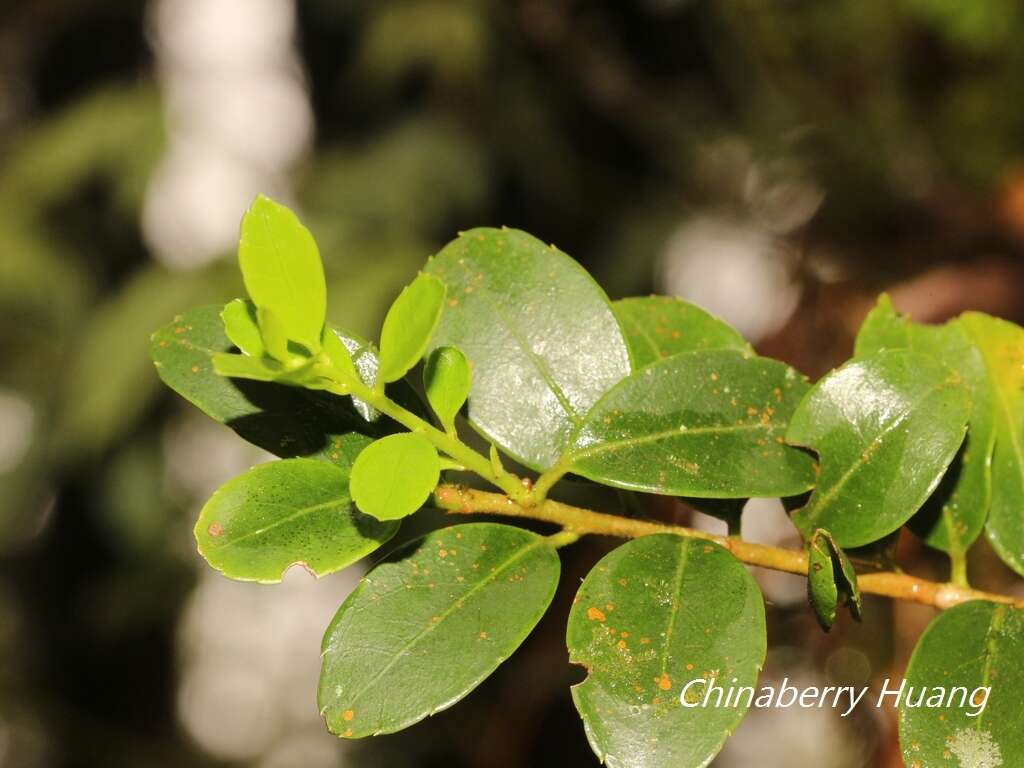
[{"x": 509, "y": 338}]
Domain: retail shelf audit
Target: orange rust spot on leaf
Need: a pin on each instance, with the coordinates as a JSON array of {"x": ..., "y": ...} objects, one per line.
[
  {"x": 664, "y": 682},
  {"x": 348, "y": 714},
  {"x": 482, "y": 635},
  {"x": 595, "y": 614}
]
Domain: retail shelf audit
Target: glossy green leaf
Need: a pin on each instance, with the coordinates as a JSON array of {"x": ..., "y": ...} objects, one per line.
[
  {"x": 285, "y": 513},
  {"x": 966, "y": 649},
  {"x": 662, "y": 326},
  {"x": 539, "y": 333},
  {"x": 284, "y": 420},
  {"x": 282, "y": 271},
  {"x": 830, "y": 579},
  {"x": 424, "y": 629},
  {"x": 1002, "y": 348},
  {"x": 886, "y": 428},
  {"x": 652, "y": 616},
  {"x": 394, "y": 476},
  {"x": 447, "y": 381},
  {"x": 955, "y": 513},
  {"x": 409, "y": 324},
  {"x": 241, "y": 326},
  {"x": 707, "y": 424}
]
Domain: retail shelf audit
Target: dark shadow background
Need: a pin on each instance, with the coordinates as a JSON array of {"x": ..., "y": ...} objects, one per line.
[{"x": 778, "y": 162}]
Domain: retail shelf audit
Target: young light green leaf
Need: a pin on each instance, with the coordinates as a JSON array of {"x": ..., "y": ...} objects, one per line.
[
  {"x": 409, "y": 324},
  {"x": 240, "y": 325},
  {"x": 705, "y": 424},
  {"x": 955, "y": 513},
  {"x": 654, "y": 621},
  {"x": 285, "y": 513},
  {"x": 886, "y": 428},
  {"x": 282, "y": 271},
  {"x": 284, "y": 420},
  {"x": 831, "y": 579},
  {"x": 245, "y": 367},
  {"x": 539, "y": 333},
  {"x": 447, "y": 380},
  {"x": 395, "y": 475},
  {"x": 961, "y": 704},
  {"x": 1002, "y": 348},
  {"x": 424, "y": 629},
  {"x": 338, "y": 355},
  {"x": 662, "y": 326},
  {"x": 274, "y": 335}
]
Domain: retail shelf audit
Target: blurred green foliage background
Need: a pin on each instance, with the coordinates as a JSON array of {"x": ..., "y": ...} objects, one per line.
[{"x": 849, "y": 146}]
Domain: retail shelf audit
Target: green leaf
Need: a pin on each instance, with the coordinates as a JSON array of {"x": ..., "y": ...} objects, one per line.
[
  {"x": 830, "y": 579},
  {"x": 886, "y": 428},
  {"x": 245, "y": 367},
  {"x": 421, "y": 631},
  {"x": 409, "y": 324},
  {"x": 662, "y": 326},
  {"x": 447, "y": 380},
  {"x": 285, "y": 513},
  {"x": 241, "y": 326},
  {"x": 338, "y": 354},
  {"x": 1002, "y": 348},
  {"x": 955, "y": 513},
  {"x": 275, "y": 336},
  {"x": 284, "y": 420},
  {"x": 282, "y": 271},
  {"x": 395, "y": 475},
  {"x": 652, "y": 616},
  {"x": 966, "y": 649},
  {"x": 539, "y": 333},
  {"x": 706, "y": 424}
]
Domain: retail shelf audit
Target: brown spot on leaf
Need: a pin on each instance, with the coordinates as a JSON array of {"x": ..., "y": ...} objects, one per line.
[{"x": 215, "y": 529}]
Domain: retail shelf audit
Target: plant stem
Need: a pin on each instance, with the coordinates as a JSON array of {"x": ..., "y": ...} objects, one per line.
[
  {"x": 901, "y": 586},
  {"x": 449, "y": 444},
  {"x": 958, "y": 569}
]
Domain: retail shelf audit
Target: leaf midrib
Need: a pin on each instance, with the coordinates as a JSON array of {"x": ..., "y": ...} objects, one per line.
[
  {"x": 653, "y": 437},
  {"x": 677, "y": 583},
  {"x": 341, "y": 500}
]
